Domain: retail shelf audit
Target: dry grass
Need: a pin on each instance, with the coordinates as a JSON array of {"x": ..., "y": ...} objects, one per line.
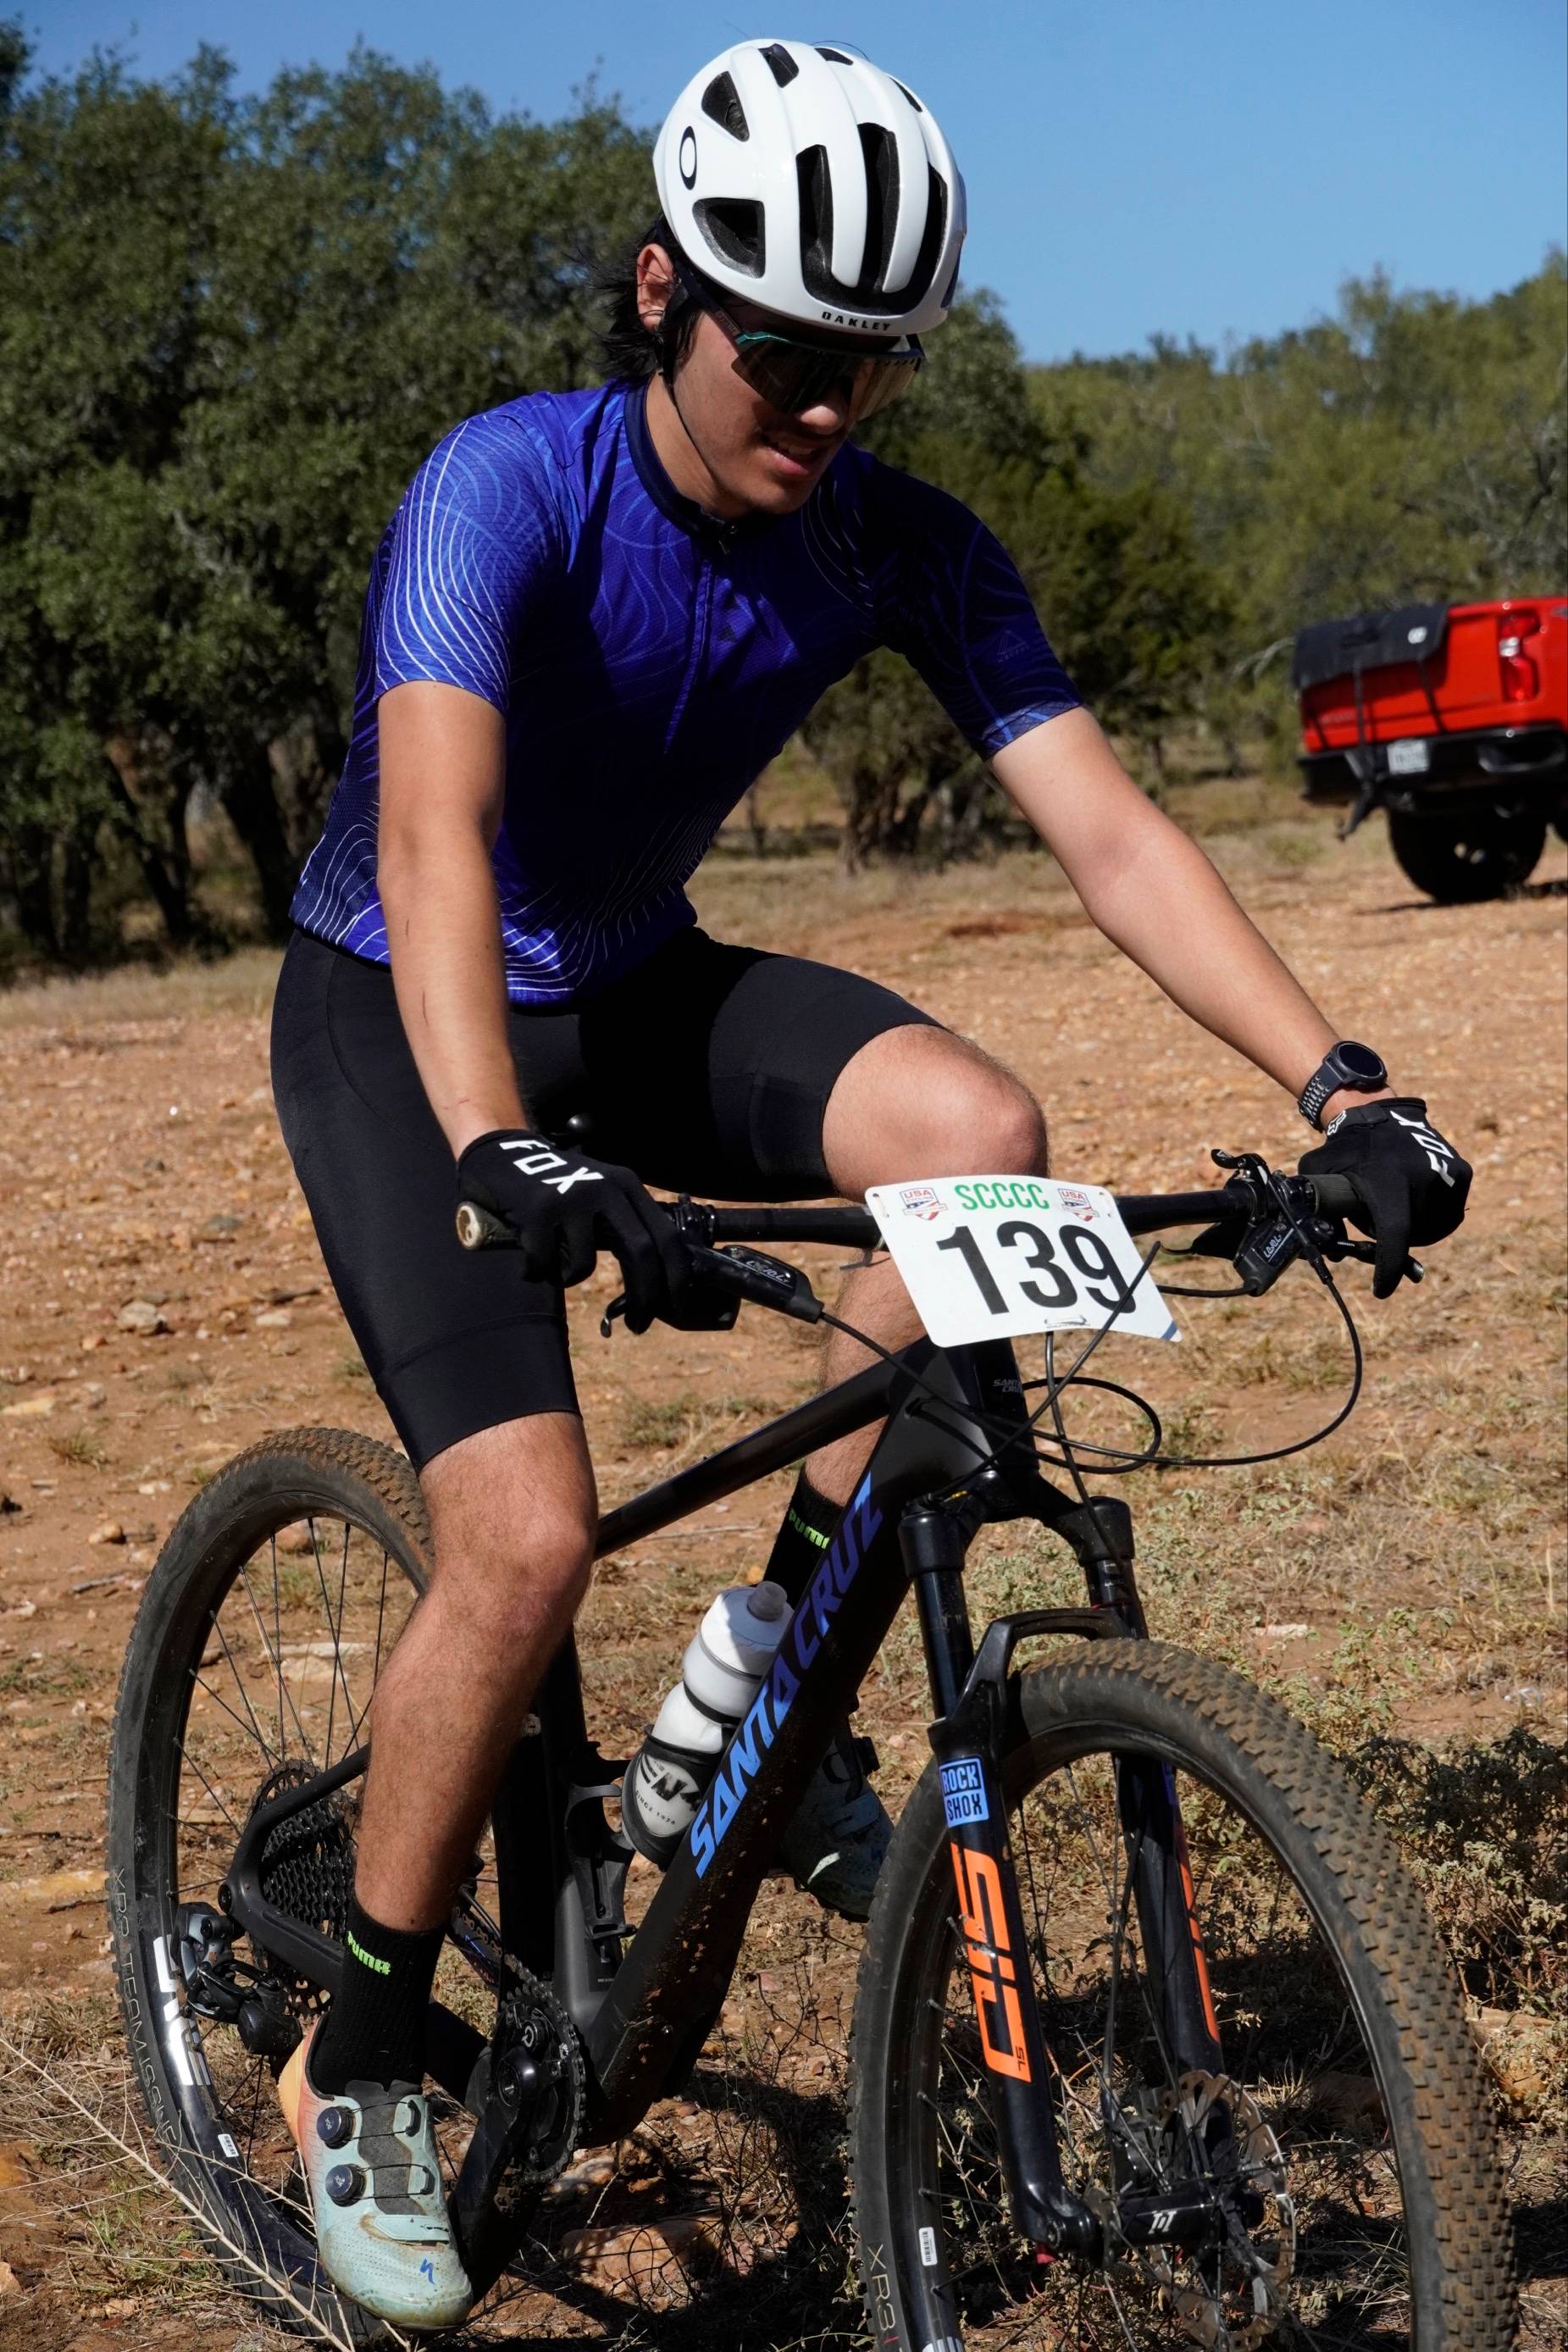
[
  {"x": 686, "y": 1425},
  {"x": 99, "y": 2229},
  {"x": 1421, "y": 1550},
  {"x": 179, "y": 989}
]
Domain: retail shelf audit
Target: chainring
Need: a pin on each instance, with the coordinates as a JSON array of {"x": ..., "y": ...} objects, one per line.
[
  {"x": 532, "y": 2018},
  {"x": 1239, "y": 2311}
]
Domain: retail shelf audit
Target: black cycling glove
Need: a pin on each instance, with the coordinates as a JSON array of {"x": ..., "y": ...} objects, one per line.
[
  {"x": 1411, "y": 1183},
  {"x": 564, "y": 1208}
]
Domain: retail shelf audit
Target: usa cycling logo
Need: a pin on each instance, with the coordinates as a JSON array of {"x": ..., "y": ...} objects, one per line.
[
  {"x": 919, "y": 1200},
  {"x": 752, "y": 1738}
]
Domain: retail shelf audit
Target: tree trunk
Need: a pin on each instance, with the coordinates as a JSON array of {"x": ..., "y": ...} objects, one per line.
[
  {"x": 79, "y": 858},
  {"x": 32, "y": 880},
  {"x": 250, "y": 802},
  {"x": 166, "y": 870}
]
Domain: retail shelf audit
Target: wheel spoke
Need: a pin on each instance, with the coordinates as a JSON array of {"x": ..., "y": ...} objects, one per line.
[
  {"x": 275, "y": 1658},
  {"x": 1334, "y": 2263},
  {"x": 207, "y": 1746}
]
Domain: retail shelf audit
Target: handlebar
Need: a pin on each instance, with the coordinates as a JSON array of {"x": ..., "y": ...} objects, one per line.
[
  {"x": 1141, "y": 1212},
  {"x": 1266, "y": 1213}
]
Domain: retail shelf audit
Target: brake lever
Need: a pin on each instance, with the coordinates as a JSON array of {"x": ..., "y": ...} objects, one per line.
[{"x": 1338, "y": 1245}]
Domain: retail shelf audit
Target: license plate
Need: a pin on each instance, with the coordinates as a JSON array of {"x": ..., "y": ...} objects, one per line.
[
  {"x": 1413, "y": 757},
  {"x": 992, "y": 1257}
]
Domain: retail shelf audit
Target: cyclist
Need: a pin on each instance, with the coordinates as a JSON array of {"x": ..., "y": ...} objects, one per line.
[{"x": 593, "y": 620}]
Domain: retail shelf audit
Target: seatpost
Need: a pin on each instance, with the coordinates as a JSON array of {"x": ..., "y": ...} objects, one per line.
[{"x": 967, "y": 1741}]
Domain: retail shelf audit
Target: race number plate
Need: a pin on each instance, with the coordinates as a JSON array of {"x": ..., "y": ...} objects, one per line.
[
  {"x": 988, "y": 1257},
  {"x": 1410, "y": 757}
]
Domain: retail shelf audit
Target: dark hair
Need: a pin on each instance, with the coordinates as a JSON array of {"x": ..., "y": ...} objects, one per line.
[{"x": 634, "y": 354}]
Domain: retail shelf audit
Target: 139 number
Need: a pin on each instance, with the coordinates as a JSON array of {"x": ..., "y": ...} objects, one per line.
[{"x": 1100, "y": 1278}]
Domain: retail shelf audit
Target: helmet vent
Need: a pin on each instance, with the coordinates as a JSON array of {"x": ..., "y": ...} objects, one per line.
[
  {"x": 835, "y": 57},
  {"x": 734, "y": 227},
  {"x": 931, "y": 243},
  {"x": 721, "y": 104},
  {"x": 881, "y": 153},
  {"x": 816, "y": 223},
  {"x": 781, "y": 64},
  {"x": 869, "y": 292},
  {"x": 909, "y": 94}
]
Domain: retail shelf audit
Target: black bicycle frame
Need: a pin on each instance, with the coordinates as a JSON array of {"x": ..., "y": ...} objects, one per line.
[{"x": 644, "y": 2004}]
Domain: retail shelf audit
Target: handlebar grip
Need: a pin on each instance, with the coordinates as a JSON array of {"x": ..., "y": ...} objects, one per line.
[
  {"x": 1336, "y": 1196},
  {"x": 477, "y": 1229}
]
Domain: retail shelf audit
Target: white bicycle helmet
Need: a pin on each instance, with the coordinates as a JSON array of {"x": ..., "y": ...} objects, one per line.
[{"x": 812, "y": 182}]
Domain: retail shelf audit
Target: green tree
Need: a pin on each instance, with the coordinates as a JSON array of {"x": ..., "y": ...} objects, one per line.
[
  {"x": 1128, "y": 603},
  {"x": 1413, "y": 446},
  {"x": 229, "y": 332}
]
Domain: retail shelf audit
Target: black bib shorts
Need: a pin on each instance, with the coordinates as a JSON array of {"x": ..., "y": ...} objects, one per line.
[{"x": 707, "y": 1069}]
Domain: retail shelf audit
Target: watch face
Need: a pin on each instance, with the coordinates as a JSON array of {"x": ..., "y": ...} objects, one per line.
[{"x": 1360, "y": 1061}]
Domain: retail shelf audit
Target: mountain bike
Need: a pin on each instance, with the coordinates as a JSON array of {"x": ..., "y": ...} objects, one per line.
[{"x": 1152, "y": 2042}]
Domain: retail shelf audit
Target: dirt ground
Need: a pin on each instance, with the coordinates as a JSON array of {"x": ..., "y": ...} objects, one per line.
[{"x": 162, "y": 1304}]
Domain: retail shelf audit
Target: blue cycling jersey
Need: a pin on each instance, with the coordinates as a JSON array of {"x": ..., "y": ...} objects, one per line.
[{"x": 649, "y": 662}]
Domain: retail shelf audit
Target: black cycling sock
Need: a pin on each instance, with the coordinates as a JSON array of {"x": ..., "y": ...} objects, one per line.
[
  {"x": 802, "y": 1539},
  {"x": 373, "y": 2030}
]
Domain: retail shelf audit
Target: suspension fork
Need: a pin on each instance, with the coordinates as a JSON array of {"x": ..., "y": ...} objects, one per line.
[
  {"x": 1102, "y": 1535},
  {"x": 969, "y": 1738},
  {"x": 966, "y": 1738}
]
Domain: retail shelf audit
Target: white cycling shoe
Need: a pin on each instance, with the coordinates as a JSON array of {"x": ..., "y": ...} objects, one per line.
[
  {"x": 838, "y": 1837},
  {"x": 373, "y": 2175}
]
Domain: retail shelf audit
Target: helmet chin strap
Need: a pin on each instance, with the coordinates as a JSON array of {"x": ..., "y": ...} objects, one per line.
[{"x": 667, "y": 375}]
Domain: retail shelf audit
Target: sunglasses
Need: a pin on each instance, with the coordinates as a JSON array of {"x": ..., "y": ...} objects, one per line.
[{"x": 792, "y": 375}]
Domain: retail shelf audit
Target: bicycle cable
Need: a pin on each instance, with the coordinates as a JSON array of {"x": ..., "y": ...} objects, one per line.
[{"x": 1114, "y": 1461}]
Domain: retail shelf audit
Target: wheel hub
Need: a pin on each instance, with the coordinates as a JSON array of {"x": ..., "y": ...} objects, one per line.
[{"x": 1231, "y": 2294}]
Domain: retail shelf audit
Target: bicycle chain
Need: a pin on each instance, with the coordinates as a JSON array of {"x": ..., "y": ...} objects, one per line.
[{"x": 531, "y": 2018}]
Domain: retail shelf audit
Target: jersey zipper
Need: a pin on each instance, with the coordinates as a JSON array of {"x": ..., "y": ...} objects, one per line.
[{"x": 698, "y": 654}]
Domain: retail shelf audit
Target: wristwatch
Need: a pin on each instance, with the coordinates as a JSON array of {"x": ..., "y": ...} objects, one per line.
[{"x": 1346, "y": 1066}]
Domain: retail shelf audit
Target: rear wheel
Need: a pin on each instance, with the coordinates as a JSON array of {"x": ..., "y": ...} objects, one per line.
[
  {"x": 1461, "y": 855},
  {"x": 1348, "y": 2142},
  {"x": 274, "y": 1604}
]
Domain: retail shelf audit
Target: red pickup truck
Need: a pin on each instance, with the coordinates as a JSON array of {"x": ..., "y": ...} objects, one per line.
[{"x": 1453, "y": 718}]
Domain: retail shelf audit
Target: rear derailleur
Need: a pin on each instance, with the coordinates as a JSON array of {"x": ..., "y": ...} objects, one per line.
[{"x": 218, "y": 1984}]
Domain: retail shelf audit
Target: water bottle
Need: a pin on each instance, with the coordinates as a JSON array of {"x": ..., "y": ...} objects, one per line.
[{"x": 721, "y": 1674}]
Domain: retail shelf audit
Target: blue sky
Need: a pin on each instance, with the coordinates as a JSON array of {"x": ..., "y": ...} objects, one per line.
[{"x": 1197, "y": 167}]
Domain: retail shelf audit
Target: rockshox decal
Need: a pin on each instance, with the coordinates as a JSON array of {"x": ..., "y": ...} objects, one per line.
[{"x": 964, "y": 1792}]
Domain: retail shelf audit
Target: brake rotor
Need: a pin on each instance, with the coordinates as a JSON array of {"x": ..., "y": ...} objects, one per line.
[{"x": 1253, "y": 2263}]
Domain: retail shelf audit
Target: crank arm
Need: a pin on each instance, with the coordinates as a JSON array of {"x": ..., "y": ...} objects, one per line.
[{"x": 503, "y": 2096}]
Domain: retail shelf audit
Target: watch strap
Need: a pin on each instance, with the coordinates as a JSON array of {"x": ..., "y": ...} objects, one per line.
[{"x": 1316, "y": 1092}]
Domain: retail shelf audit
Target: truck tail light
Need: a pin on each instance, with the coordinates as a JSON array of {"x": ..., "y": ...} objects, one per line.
[{"x": 1520, "y": 678}]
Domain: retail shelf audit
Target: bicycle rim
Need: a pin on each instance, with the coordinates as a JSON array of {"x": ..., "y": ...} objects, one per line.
[
  {"x": 261, "y": 1673},
  {"x": 1300, "y": 2120}
]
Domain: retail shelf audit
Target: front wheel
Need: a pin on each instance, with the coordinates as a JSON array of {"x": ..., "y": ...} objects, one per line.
[
  {"x": 1348, "y": 2133},
  {"x": 1463, "y": 855}
]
